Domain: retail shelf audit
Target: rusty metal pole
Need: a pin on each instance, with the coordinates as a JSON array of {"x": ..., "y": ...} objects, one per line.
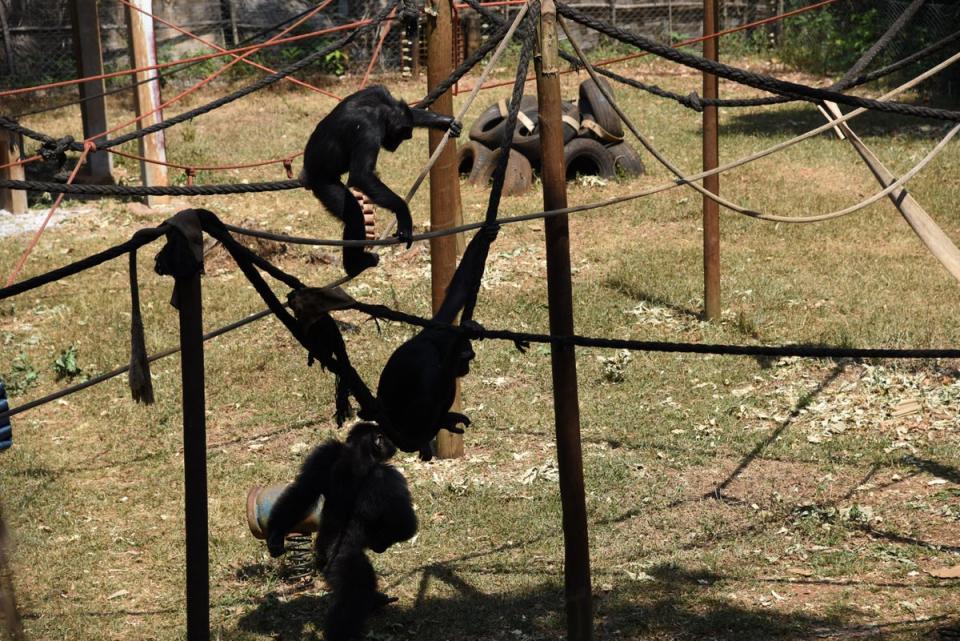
[
  {"x": 563, "y": 357},
  {"x": 143, "y": 53},
  {"x": 194, "y": 457},
  {"x": 444, "y": 184},
  {"x": 711, "y": 159}
]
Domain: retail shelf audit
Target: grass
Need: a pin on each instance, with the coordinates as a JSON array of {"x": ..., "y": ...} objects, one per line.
[{"x": 728, "y": 498}]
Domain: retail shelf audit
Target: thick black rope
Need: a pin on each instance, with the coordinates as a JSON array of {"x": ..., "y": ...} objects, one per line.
[
  {"x": 506, "y": 141},
  {"x": 695, "y": 102},
  {"x": 475, "y": 331},
  {"x": 892, "y": 32},
  {"x": 266, "y": 81},
  {"x": 139, "y": 239},
  {"x": 106, "y": 376},
  {"x": 744, "y": 77},
  {"x": 134, "y": 190}
]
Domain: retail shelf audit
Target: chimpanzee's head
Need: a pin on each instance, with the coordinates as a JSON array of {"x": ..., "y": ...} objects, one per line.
[{"x": 399, "y": 127}]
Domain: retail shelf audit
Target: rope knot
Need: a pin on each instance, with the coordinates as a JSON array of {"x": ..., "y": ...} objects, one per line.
[
  {"x": 288, "y": 166},
  {"x": 190, "y": 173},
  {"x": 693, "y": 101},
  {"x": 56, "y": 149}
]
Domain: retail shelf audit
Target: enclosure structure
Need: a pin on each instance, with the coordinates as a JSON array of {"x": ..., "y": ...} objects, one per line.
[{"x": 561, "y": 338}]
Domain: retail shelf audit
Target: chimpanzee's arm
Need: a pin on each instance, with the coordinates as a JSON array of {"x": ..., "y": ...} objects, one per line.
[
  {"x": 363, "y": 176},
  {"x": 296, "y": 501},
  {"x": 426, "y": 118},
  {"x": 462, "y": 291}
]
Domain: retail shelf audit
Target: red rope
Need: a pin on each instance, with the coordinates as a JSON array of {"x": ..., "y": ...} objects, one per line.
[
  {"x": 610, "y": 61},
  {"x": 201, "y": 83},
  {"x": 182, "y": 61},
  {"x": 376, "y": 51},
  {"x": 261, "y": 163},
  {"x": 252, "y": 63},
  {"x": 22, "y": 161},
  {"x": 87, "y": 148}
]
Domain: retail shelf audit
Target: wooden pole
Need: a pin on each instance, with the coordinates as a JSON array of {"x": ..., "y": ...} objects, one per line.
[
  {"x": 8, "y": 603},
  {"x": 563, "y": 357},
  {"x": 13, "y": 200},
  {"x": 143, "y": 52},
  {"x": 444, "y": 185},
  {"x": 93, "y": 108},
  {"x": 194, "y": 457},
  {"x": 711, "y": 159}
]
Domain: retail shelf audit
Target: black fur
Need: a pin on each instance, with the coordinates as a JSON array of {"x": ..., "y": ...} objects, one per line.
[
  {"x": 348, "y": 139},
  {"x": 419, "y": 381},
  {"x": 366, "y": 505}
]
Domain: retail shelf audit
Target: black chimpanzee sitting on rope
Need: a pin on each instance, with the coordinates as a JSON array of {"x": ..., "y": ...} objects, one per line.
[{"x": 348, "y": 139}]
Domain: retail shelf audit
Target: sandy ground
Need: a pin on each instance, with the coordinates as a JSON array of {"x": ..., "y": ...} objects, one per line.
[{"x": 13, "y": 224}]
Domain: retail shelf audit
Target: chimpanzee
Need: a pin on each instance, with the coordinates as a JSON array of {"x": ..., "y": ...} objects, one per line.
[
  {"x": 418, "y": 383},
  {"x": 348, "y": 139},
  {"x": 366, "y": 505}
]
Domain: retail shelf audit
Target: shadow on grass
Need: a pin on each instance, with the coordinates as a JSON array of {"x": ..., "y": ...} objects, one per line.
[
  {"x": 677, "y": 604},
  {"x": 797, "y": 120}
]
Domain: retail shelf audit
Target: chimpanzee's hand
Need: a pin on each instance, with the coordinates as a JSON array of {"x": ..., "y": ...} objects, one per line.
[
  {"x": 456, "y": 128},
  {"x": 405, "y": 235}
]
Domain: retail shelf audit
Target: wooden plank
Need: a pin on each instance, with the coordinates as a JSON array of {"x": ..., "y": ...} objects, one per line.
[
  {"x": 13, "y": 200},
  {"x": 919, "y": 220},
  {"x": 143, "y": 53}
]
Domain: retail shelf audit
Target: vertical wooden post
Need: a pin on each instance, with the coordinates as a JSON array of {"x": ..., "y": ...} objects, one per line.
[
  {"x": 711, "y": 159},
  {"x": 563, "y": 357},
  {"x": 93, "y": 108},
  {"x": 444, "y": 184},
  {"x": 8, "y": 603},
  {"x": 13, "y": 200},
  {"x": 194, "y": 456},
  {"x": 7, "y": 45},
  {"x": 143, "y": 53}
]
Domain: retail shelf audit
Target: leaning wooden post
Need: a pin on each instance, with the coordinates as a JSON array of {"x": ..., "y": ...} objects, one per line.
[
  {"x": 143, "y": 53},
  {"x": 13, "y": 200},
  {"x": 185, "y": 264},
  {"x": 93, "y": 106},
  {"x": 444, "y": 184},
  {"x": 563, "y": 357},
  {"x": 711, "y": 159}
]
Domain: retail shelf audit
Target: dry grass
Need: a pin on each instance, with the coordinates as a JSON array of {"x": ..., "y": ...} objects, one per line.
[{"x": 728, "y": 498}]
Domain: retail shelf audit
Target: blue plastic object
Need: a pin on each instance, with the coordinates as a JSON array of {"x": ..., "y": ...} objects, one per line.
[{"x": 6, "y": 430}]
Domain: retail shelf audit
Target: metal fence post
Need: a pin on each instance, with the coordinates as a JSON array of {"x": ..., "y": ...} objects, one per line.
[{"x": 711, "y": 159}]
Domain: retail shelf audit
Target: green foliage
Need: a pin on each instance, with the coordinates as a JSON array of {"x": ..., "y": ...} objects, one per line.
[
  {"x": 65, "y": 365},
  {"x": 22, "y": 376},
  {"x": 335, "y": 62},
  {"x": 831, "y": 40}
]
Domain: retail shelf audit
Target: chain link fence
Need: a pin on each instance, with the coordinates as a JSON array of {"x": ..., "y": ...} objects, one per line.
[{"x": 37, "y": 42}]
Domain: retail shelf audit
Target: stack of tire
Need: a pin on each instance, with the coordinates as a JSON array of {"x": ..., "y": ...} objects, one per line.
[{"x": 592, "y": 136}]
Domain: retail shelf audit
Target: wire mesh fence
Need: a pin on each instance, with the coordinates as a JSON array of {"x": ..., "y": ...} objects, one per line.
[{"x": 36, "y": 39}]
